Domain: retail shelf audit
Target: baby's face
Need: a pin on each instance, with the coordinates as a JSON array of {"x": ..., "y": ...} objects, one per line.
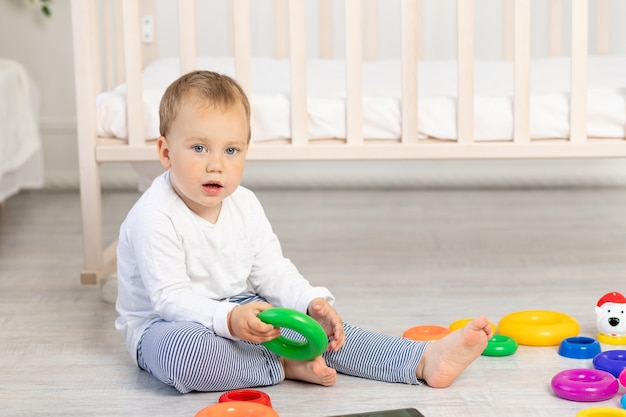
[{"x": 205, "y": 151}]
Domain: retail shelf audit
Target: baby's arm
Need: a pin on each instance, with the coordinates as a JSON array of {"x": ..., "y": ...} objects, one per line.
[
  {"x": 244, "y": 323},
  {"x": 327, "y": 316}
]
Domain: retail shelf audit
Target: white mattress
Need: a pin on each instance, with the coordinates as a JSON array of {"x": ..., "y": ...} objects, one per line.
[
  {"x": 381, "y": 84},
  {"x": 21, "y": 162}
]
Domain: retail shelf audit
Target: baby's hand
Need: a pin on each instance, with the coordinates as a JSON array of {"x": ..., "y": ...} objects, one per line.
[
  {"x": 330, "y": 320},
  {"x": 244, "y": 323}
]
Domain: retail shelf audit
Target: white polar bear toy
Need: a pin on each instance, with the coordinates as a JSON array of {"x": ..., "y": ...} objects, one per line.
[{"x": 611, "y": 315}]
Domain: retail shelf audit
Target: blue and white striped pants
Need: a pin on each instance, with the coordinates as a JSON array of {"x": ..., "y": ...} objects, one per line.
[{"x": 189, "y": 357}]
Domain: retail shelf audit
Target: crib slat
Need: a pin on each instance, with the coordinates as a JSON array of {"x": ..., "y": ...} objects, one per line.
[
  {"x": 107, "y": 21},
  {"x": 521, "y": 104},
  {"x": 371, "y": 32},
  {"x": 603, "y": 26},
  {"x": 409, "y": 10},
  {"x": 465, "y": 56},
  {"x": 326, "y": 28},
  {"x": 354, "y": 64},
  {"x": 132, "y": 59},
  {"x": 187, "y": 35},
  {"x": 281, "y": 29},
  {"x": 119, "y": 41},
  {"x": 556, "y": 27},
  {"x": 242, "y": 43},
  {"x": 297, "y": 31},
  {"x": 578, "y": 96}
]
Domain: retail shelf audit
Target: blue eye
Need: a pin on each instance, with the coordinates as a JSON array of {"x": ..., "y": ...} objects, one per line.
[
  {"x": 198, "y": 148},
  {"x": 230, "y": 151}
]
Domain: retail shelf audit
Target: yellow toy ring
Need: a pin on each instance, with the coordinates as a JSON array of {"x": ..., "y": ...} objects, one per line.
[
  {"x": 611, "y": 340},
  {"x": 538, "y": 327},
  {"x": 316, "y": 338},
  {"x": 601, "y": 412}
]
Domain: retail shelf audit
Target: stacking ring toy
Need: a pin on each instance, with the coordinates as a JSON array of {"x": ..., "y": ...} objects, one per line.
[
  {"x": 538, "y": 327},
  {"x": 579, "y": 348},
  {"x": 316, "y": 340},
  {"x": 622, "y": 377},
  {"x": 459, "y": 324},
  {"x": 585, "y": 385},
  {"x": 246, "y": 395},
  {"x": 623, "y": 401},
  {"x": 237, "y": 409},
  {"x": 426, "y": 333},
  {"x": 601, "y": 412},
  {"x": 611, "y": 361},
  {"x": 611, "y": 340},
  {"x": 500, "y": 345}
]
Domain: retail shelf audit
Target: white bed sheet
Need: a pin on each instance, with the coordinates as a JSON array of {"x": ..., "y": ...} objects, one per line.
[
  {"x": 550, "y": 84},
  {"x": 21, "y": 160}
]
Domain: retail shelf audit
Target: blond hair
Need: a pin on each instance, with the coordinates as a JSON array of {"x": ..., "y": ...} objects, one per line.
[{"x": 218, "y": 89}]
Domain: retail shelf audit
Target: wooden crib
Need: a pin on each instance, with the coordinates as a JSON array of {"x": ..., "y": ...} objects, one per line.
[{"x": 108, "y": 50}]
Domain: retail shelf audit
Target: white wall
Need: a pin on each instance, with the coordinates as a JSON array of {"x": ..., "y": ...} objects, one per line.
[{"x": 44, "y": 46}]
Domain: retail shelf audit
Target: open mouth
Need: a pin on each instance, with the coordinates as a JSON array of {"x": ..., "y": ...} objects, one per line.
[{"x": 213, "y": 186}]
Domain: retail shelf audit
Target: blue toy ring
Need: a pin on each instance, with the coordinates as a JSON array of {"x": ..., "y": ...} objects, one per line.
[{"x": 316, "y": 340}]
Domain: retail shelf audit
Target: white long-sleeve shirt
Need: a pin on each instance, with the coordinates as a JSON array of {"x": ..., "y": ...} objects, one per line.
[{"x": 176, "y": 266}]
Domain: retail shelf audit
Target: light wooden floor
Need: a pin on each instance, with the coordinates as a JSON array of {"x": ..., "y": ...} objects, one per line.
[{"x": 394, "y": 259}]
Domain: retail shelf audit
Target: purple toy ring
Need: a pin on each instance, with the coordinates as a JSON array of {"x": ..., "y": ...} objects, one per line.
[
  {"x": 612, "y": 361},
  {"x": 585, "y": 385}
]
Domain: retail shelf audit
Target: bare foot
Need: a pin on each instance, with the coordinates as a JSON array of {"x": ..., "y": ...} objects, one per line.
[
  {"x": 315, "y": 371},
  {"x": 444, "y": 360}
]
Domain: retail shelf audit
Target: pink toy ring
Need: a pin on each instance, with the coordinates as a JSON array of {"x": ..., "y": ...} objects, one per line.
[
  {"x": 246, "y": 395},
  {"x": 622, "y": 377},
  {"x": 237, "y": 409},
  {"x": 585, "y": 385},
  {"x": 611, "y": 361}
]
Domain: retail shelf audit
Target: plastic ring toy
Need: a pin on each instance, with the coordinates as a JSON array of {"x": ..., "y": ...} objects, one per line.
[
  {"x": 585, "y": 385},
  {"x": 316, "y": 340},
  {"x": 426, "y": 333},
  {"x": 611, "y": 361},
  {"x": 246, "y": 395},
  {"x": 237, "y": 409},
  {"x": 500, "y": 345},
  {"x": 538, "y": 327},
  {"x": 601, "y": 412},
  {"x": 611, "y": 340},
  {"x": 622, "y": 377},
  {"x": 623, "y": 401},
  {"x": 459, "y": 324},
  {"x": 579, "y": 348}
]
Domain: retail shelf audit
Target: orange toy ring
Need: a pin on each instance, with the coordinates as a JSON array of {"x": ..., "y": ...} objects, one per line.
[
  {"x": 425, "y": 333},
  {"x": 538, "y": 327},
  {"x": 237, "y": 409}
]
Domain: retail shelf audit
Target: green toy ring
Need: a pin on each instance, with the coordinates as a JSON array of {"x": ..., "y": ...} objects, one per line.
[
  {"x": 316, "y": 340},
  {"x": 500, "y": 345}
]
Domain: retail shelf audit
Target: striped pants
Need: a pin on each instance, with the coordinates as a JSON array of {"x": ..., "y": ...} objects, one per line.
[{"x": 189, "y": 357}]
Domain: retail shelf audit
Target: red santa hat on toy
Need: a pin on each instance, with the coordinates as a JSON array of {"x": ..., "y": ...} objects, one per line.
[{"x": 612, "y": 297}]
